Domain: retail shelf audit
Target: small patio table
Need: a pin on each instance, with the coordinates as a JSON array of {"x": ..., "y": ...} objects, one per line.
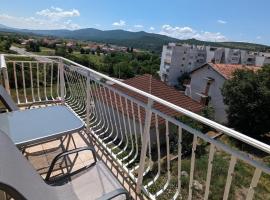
[{"x": 33, "y": 126}]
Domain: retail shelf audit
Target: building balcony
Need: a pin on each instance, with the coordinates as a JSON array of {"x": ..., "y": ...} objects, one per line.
[
  {"x": 167, "y": 61},
  {"x": 153, "y": 154}
]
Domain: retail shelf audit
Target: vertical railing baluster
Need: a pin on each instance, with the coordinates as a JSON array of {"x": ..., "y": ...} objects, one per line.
[
  {"x": 23, "y": 79},
  {"x": 192, "y": 165},
  {"x": 38, "y": 82},
  {"x": 62, "y": 82},
  {"x": 209, "y": 171},
  {"x": 253, "y": 184},
  {"x": 146, "y": 137},
  {"x": 51, "y": 89},
  {"x": 31, "y": 81},
  {"x": 179, "y": 164},
  {"x": 88, "y": 104},
  {"x": 16, "y": 82},
  {"x": 57, "y": 82},
  {"x": 168, "y": 153},
  {"x": 45, "y": 80},
  {"x": 229, "y": 178}
]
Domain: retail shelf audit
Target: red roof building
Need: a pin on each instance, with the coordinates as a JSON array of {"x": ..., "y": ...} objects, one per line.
[{"x": 151, "y": 85}]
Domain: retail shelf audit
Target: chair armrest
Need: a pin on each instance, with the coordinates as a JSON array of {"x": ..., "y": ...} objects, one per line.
[
  {"x": 114, "y": 194},
  {"x": 63, "y": 154},
  {"x": 44, "y": 102}
]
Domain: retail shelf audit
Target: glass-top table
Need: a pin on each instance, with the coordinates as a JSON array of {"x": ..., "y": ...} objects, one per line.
[{"x": 32, "y": 126}]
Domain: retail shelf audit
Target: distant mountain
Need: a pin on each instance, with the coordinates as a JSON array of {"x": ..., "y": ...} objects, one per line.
[{"x": 142, "y": 40}]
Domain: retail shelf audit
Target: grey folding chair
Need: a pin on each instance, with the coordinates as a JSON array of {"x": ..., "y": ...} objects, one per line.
[
  {"x": 7, "y": 100},
  {"x": 20, "y": 180}
]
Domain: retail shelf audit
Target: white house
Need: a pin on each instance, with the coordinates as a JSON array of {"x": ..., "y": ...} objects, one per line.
[{"x": 206, "y": 83}]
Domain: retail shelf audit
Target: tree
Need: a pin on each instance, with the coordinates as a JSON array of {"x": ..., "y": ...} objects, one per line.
[
  {"x": 60, "y": 51},
  {"x": 247, "y": 95},
  {"x": 82, "y": 51},
  {"x": 184, "y": 78},
  {"x": 98, "y": 50},
  {"x": 5, "y": 45},
  {"x": 87, "y": 51},
  {"x": 70, "y": 50},
  {"x": 187, "y": 137},
  {"x": 33, "y": 46}
]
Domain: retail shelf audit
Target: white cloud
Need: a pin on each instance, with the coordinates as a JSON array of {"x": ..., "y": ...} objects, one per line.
[
  {"x": 187, "y": 33},
  {"x": 56, "y": 14},
  {"x": 151, "y": 28},
  {"x": 138, "y": 26},
  {"x": 221, "y": 21},
  {"x": 36, "y": 23},
  {"x": 120, "y": 23},
  {"x": 259, "y": 37}
]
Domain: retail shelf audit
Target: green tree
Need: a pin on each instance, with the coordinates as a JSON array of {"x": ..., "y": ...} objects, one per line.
[
  {"x": 123, "y": 70},
  {"x": 33, "y": 46},
  {"x": 82, "y": 51},
  {"x": 247, "y": 95},
  {"x": 70, "y": 50},
  {"x": 184, "y": 78},
  {"x": 5, "y": 45},
  {"x": 61, "y": 51}
]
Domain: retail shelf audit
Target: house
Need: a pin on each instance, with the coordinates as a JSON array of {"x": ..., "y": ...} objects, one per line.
[{"x": 206, "y": 83}]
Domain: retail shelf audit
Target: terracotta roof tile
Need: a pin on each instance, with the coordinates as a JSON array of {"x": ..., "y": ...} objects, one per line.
[
  {"x": 149, "y": 84},
  {"x": 227, "y": 70}
]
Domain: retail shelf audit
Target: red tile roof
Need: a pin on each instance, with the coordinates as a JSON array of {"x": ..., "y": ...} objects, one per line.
[
  {"x": 151, "y": 85},
  {"x": 227, "y": 70},
  {"x": 148, "y": 83}
]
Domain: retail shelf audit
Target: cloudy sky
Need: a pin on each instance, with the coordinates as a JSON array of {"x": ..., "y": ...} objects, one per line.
[{"x": 211, "y": 20}]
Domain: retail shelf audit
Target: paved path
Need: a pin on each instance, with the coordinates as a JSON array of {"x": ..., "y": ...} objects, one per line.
[{"x": 22, "y": 51}]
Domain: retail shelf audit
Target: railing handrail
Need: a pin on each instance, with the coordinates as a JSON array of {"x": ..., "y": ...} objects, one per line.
[{"x": 230, "y": 132}]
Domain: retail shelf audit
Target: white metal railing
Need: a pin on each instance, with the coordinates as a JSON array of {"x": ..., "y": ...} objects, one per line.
[{"x": 137, "y": 135}]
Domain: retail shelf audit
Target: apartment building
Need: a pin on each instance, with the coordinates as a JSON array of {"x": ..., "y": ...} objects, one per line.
[{"x": 178, "y": 59}]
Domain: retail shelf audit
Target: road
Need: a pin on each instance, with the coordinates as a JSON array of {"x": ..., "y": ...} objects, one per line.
[{"x": 22, "y": 51}]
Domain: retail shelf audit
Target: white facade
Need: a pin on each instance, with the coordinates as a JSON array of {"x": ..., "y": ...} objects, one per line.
[
  {"x": 199, "y": 79},
  {"x": 178, "y": 59}
]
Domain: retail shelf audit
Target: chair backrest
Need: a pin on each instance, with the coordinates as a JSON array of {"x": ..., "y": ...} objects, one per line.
[
  {"x": 7, "y": 100},
  {"x": 17, "y": 173}
]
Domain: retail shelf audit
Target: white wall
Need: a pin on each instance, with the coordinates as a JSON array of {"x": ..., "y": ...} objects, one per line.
[{"x": 198, "y": 84}]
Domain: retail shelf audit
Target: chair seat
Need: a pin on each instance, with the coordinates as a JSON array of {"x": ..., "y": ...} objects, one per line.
[
  {"x": 16, "y": 173},
  {"x": 96, "y": 181}
]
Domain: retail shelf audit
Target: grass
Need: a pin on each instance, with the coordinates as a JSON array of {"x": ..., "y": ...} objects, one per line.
[
  {"x": 242, "y": 177},
  {"x": 44, "y": 51}
]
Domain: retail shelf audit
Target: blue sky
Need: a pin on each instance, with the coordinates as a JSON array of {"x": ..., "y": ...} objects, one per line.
[{"x": 212, "y": 20}]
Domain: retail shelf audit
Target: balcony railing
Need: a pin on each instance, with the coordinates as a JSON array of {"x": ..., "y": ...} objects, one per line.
[{"x": 161, "y": 154}]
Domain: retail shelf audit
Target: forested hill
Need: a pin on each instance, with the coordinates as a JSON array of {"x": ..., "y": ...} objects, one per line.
[{"x": 141, "y": 40}]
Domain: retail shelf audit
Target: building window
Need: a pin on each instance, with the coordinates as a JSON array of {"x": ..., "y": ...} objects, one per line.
[
  {"x": 184, "y": 58},
  {"x": 182, "y": 65}
]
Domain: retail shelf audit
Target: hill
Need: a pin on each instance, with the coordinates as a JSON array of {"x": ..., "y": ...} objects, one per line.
[{"x": 141, "y": 40}]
